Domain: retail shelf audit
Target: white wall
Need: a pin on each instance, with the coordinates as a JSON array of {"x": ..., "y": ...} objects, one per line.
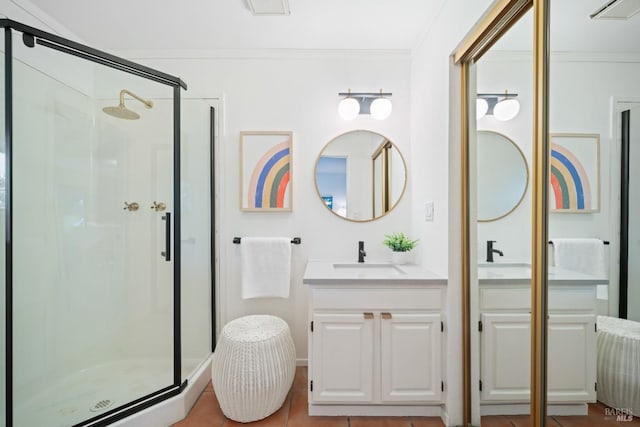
[
  {"x": 430, "y": 123},
  {"x": 430, "y": 173},
  {"x": 296, "y": 91}
]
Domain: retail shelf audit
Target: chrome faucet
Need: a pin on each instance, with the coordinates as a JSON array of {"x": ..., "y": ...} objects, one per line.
[
  {"x": 361, "y": 252},
  {"x": 491, "y": 250}
]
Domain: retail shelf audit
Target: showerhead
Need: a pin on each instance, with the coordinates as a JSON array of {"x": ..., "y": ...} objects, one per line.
[{"x": 123, "y": 112}]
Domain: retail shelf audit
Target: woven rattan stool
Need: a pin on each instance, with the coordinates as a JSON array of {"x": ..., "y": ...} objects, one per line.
[{"x": 253, "y": 367}]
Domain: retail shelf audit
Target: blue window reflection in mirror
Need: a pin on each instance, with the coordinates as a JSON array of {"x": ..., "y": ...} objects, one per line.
[
  {"x": 328, "y": 200},
  {"x": 332, "y": 182}
]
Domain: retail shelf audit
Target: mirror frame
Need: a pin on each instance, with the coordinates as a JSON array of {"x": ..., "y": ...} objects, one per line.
[
  {"x": 385, "y": 188},
  {"x": 526, "y": 183},
  {"x": 496, "y": 21}
]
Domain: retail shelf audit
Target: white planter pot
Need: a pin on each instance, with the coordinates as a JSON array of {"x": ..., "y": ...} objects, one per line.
[{"x": 401, "y": 257}]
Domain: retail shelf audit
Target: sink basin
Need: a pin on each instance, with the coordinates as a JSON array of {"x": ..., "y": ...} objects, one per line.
[{"x": 368, "y": 268}]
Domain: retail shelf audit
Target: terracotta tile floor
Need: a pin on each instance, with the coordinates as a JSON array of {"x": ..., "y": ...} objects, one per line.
[
  {"x": 206, "y": 413},
  {"x": 596, "y": 418}
]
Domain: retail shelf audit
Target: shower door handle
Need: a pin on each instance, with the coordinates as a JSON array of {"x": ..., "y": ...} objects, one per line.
[{"x": 167, "y": 236}]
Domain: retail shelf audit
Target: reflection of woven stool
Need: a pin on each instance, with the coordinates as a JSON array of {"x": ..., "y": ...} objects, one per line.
[{"x": 253, "y": 367}]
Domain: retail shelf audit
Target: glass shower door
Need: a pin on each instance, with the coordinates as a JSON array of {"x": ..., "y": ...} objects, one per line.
[{"x": 93, "y": 274}]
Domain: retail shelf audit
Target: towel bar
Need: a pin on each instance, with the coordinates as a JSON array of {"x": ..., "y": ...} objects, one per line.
[
  {"x": 295, "y": 240},
  {"x": 604, "y": 242}
]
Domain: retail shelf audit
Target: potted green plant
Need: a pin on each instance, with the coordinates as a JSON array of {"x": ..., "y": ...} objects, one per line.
[{"x": 400, "y": 246}]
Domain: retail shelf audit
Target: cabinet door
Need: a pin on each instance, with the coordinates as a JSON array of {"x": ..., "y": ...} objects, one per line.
[
  {"x": 572, "y": 358},
  {"x": 343, "y": 346},
  {"x": 410, "y": 352},
  {"x": 505, "y": 343}
]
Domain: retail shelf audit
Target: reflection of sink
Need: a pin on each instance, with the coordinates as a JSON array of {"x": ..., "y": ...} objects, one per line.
[
  {"x": 501, "y": 265},
  {"x": 368, "y": 268},
  {"x": 504, "y": 270}
]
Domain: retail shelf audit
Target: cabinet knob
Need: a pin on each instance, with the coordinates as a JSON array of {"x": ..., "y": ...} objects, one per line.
[
  {"x": 386, "y": 316},
  {"x": 368, "y": 316}
]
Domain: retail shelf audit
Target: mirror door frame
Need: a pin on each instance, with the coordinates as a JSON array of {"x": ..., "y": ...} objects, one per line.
[{"x": 498, "y": 19}]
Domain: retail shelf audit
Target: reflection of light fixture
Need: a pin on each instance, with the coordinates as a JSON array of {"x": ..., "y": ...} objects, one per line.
[
  {"x": 269, "y": 7},
  {"x": 375, "y": 103},
  {"x": 503, "y": 106},
  {"x": 482, "y": 106}
]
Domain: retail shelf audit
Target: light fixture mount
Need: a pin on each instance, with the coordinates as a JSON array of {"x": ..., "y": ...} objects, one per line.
[
  {"x": 365, "y": 99},
  {"x": 500, "y": 100}
]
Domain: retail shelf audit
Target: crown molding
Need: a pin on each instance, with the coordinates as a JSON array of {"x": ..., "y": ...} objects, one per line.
[{"x": 267, "y": 54}]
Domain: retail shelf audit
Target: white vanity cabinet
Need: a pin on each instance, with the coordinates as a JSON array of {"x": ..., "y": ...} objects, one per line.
[
  {"x": 410, "y": 352},
  {"x": 406, "y": 346},
  {"x": 344, "y": 343},
  {"x": 375, "y": 347},
  {"x": 505, "y": 342}
]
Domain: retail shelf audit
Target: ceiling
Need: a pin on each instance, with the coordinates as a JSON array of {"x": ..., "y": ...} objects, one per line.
[
  {"x": 572, "y": 30},
  {"x": 313, "y": 24},
  {"x": 229, "y": 24}
]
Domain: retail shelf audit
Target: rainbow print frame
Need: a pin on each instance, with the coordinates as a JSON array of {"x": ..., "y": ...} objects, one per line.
[
  {"x": 574, "y": 173},
  {"x": 265, "y": 171}
]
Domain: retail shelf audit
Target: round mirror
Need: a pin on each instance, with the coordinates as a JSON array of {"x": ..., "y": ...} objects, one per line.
[
  {"x": 360, "y": 175},
  {"x": 503, "y": 176}
]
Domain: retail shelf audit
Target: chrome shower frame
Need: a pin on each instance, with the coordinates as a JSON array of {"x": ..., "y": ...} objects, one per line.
[{"x": 32, "y": 36}]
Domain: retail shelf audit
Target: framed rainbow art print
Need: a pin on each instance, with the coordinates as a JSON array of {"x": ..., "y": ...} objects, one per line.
[
  {"x": 265, "y": 171},
  {"x": 574, "y": 173}
]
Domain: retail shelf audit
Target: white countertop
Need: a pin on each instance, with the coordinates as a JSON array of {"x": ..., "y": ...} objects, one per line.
[
  {"x": 520, "y": 273},
  {"x": 337, "y": 272}
]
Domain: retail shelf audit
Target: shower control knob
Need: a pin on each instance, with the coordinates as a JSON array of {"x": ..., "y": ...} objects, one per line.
[
  {"x": 158, "y": 207},
  {"x": 131, "y": 207}
]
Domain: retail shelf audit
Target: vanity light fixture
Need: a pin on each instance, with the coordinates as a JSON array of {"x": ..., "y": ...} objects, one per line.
[
  {"x": 503, "y": 106},
  {"x": 377, "y": 104}
]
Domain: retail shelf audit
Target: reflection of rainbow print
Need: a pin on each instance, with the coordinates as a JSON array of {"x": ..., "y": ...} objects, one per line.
[
  {"x": 270, "y": 178},
  {"x": 569, "y": 181}
]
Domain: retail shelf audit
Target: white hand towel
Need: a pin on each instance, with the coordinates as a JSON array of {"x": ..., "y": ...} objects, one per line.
[
  {"x": 266, "y": 267},
  {"x": 582, "y": 255}
]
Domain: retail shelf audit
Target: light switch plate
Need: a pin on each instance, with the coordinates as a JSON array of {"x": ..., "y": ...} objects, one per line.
[{"x": 428, "y": 211}]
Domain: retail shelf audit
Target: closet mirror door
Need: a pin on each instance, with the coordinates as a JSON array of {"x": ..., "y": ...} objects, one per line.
[
  {"x": 590, "y": 375},
  {"x": 630, "y": 203},
  {"x": 501, "y": 297}
]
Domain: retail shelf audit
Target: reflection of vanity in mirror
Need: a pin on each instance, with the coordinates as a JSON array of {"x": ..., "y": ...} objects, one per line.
[
  {"x": 360, "y": 175},
  {"x": 503, "y": 176}
]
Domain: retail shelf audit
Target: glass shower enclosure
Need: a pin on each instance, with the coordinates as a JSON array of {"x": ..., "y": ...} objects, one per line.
[{"x": 91, "y": 209}]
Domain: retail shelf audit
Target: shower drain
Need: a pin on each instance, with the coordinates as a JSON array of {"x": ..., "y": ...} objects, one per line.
[{"x": 101, "y": 405}]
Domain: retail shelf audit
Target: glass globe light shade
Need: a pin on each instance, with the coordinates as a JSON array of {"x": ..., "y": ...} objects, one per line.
[
  {"x": 506, "y": 109},
  {"x": 482, "y": 106},
  {"x": 381, "y": 108},
  {"x": 349, "y": 108}
]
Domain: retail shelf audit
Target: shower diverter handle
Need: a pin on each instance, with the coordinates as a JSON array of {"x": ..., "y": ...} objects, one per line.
[
  {"x": 158, "y": 206},
  {"x": 167, "y": 236}
]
